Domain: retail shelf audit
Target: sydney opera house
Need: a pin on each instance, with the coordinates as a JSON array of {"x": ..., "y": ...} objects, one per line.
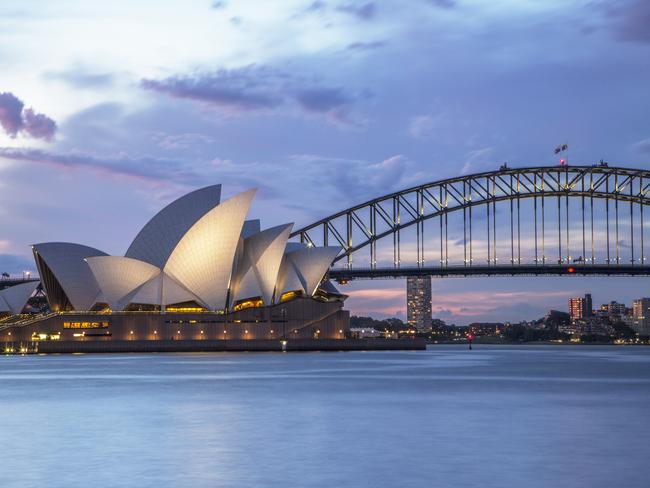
[{"x": 197, "y": 270}]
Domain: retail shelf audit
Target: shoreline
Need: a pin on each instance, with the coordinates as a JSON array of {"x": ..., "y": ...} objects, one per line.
[
  {"x": 533, "y": 343},
  {"x": 251, "y": 345}
]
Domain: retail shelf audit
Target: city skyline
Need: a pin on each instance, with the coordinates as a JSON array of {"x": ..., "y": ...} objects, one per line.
[{"x": 344, "y": 100}]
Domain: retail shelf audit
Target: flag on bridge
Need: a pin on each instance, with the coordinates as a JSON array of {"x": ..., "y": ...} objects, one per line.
[{"x": 561, "y": 148}]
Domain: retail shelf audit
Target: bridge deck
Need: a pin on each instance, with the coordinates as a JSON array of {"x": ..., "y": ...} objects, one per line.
[{"x": 505, "y": 270}]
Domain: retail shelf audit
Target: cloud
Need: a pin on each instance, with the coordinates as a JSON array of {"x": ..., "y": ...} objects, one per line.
[
  {"x": 253, "y": 89},
  {"x": 643, "y": 146},
  {"x": 39, "y": 126},
  {"x": 421, "y": 126},
  {"x": 475, "y": 159},
  {"x": 443, "y": 3},
  {"x": 239, "y": 90},
  {"x": 316, "y": 6},
  {"x": 367, "y": 11},
  {"x": 365, "y": 46},
  {"x": 630, "y": 19},
  {"x": 353, "y": 181},
  {"x": 218, "y": 4},
  {"x": 14, "y": 119},
  {"x": 321, "y": 100},
  {"x": 442, "y": 313},
  {"x": 80, "y": 77},
  {"x": 11, "y": 109},
  {"x": 181, "y": 141},
  {"x": 158, "y": 170}
]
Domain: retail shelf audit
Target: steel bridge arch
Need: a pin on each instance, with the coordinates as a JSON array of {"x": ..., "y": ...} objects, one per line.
[{"x": 413, "y": 206}]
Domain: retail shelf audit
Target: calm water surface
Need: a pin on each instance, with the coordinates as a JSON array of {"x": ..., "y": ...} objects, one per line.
[{"x": 492, "y": 417}]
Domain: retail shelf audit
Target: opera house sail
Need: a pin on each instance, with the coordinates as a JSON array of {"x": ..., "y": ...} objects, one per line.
[{"x": 197, "y": 270}]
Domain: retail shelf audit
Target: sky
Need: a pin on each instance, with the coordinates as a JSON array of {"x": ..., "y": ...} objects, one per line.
[{"x": 110, "y": 110}]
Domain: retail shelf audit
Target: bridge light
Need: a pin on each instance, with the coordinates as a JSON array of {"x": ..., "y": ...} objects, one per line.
[{"x": 570, "y": 269}]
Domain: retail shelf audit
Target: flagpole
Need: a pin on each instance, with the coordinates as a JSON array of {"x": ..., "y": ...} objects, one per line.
[{"x": 567, "y": 152}]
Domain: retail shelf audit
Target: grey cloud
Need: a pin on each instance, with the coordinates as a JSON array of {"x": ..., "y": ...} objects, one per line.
[
  {"x": 630, "y": 18},
  {"x": 321, "y": 99},
  {"x": 240, "y": 90},
  {"x": 79, "y": 77},
  {"x": 365, "y": 46},
  {"x": 39, "y": 126},
  {"x": 14, "y": 119},
  {"x": 366, "y": 11},
  {"x": 254, "y": 88},
  {"x": 11, "y": 109},
  {"x": 181, "y": 141},
  {"x": 443, "y": 3},
  {"x": 316, "y": 6},
  {"x": 442, "y": 313},
  {"x": 218, "y": 4},
  {"x": 145, "y": 168},
  {"x": 357, "y": 180}
]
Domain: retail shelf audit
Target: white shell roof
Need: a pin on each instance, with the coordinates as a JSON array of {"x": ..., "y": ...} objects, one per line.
[
  {"x": 157, "y": 240},
  {"x": 119, "y": 278},
  {"x": 66, "y": 261},
  {"x": 149, "y": 293},
  {"x": 14, "y": 298},
  {"x": 250, "y": 227},
  {"x": 311, "y": 264},
  {"x": 287, "y": 279},
  {"x": 260, "y": 264},
  {"x": 203, "y": 259},
  {"x": 172, "y": 292}
]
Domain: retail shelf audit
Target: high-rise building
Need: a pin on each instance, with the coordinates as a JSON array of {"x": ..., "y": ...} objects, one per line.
[
  {"x": 580, "y": 307},
  {"x": 587, "y": 306},
  {"x": 613, "y": 310},
  {"x": 418, "y": 302},
  {"x": 641, "y": 316}
]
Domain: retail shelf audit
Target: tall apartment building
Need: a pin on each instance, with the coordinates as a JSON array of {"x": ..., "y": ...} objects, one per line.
[
  {"x": 418, "y": 302},
  {"x": 641, "y": 316},
  {"x": 580, "y": 307}
]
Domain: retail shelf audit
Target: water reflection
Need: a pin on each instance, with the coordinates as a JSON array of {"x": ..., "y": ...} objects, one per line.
[{"x": 494, "y": 416}]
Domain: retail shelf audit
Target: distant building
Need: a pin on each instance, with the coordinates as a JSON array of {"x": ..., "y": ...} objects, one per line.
[
  {"x": 364, "y": 332},
  {"x": 581, "y": 307},
  {"x": 614, "y": 310},
  {"x": 418, "y": 302},
  {"x": 641, "y": 316}
]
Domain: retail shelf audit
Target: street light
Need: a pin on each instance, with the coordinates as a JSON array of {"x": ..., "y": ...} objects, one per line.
[{"x": 283, "y": 314}]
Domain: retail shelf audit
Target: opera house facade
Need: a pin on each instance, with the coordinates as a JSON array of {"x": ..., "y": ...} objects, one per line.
[{"x": 197, "y": 270}]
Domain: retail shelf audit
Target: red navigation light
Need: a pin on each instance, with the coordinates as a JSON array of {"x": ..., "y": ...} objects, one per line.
[
  {"x": 562, "y": 161},
  {"x": 571, "y": 269},
  {"x": 470, "y": 337}
]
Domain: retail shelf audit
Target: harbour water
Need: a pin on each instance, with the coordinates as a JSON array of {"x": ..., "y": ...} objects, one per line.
[{"x": 496, "y": 416}]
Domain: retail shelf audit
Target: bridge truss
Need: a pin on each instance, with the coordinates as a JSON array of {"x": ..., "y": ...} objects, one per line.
[{"x": 539, "y": 220}]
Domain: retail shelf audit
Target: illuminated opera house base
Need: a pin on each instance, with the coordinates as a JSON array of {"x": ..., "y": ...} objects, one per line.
[{"x": 299, "y": 318}]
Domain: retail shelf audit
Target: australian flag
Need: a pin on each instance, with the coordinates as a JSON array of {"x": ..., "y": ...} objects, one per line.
[{"x": 561, "y": 148}]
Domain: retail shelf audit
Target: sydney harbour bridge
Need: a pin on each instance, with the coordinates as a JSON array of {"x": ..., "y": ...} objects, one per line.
[
  {"x": 560, "y": 220},
  {"x": 544, "y": 220}
]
